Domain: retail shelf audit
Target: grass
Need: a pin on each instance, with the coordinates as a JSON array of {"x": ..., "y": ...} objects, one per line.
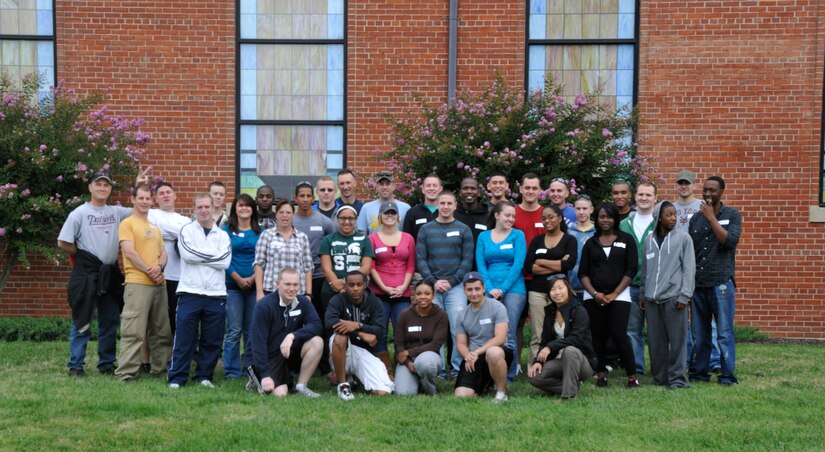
[{"x": 777, "y": 405}]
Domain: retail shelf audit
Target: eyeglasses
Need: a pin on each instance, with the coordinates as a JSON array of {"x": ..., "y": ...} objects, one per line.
[
  {"x": 559, "y": 179},
  {"x": 346, "y": 219},
  {"x": 583, "y": 196},
  {"x": 556, "y": 276},
  {"x": 305, "y": 183}
]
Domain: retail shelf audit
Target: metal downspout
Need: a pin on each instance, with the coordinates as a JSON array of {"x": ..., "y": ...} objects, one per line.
[{"x": 452, "y": 51}]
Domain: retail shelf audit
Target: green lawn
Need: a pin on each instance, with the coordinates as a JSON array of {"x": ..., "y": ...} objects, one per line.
[{"x": 778, "y": 404}]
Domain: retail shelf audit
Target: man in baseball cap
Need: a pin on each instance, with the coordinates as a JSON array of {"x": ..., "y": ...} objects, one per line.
[{"x": 368, "y": 220}]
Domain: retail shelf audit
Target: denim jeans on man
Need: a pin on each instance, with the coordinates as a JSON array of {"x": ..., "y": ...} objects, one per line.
[
  {"x": 717, "y": 302},
  {"x": 240, "y": 305},
  {"x": 108, "y": 320},
  {"x": 714, "y": 351},
  {"x": 636, "y": 330},
  {"x": 453, "y": 302}
]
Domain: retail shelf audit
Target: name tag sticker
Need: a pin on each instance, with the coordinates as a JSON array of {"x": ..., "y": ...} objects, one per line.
[
  {"x": 295, "y": 313},
  {"x": 421, "y": 221},
  {"x": 690, "y": 215},
  {"x": 414, "y": 329},
  {"x": 240, "y": 234},
  {"x": 485, "y": 322},
  {"x": 651, "y": 255},
  {"x": 507, "y": 246},
  {"x": 481, "y": 227},
  {"x": 539, "y": 225},
  {"x": 383, "y": 249},
  {"x": 619, "y": 245},
  {"x": 316, "y": 229},
  {"x": 724, "y": 222},
  {"x": 453, "y": 234},
  {"x": 541, "y": 251},
  {"x": 359, "y": 238}
]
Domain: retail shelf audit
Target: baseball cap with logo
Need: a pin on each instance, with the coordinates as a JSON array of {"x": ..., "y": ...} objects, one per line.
[{"x": 102, "y": 175}]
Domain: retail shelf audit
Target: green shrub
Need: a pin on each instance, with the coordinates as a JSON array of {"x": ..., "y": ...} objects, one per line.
[
  {"x": 40, "y": 329},
  {"x": 744, "y": 333}
]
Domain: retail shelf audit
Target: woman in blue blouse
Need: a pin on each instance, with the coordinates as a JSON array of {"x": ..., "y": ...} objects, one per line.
[
  {"x": 500, "y": 253},
  {"x": 242, "y": 227}
]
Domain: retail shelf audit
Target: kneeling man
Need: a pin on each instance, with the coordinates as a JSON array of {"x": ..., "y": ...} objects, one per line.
[
  {"x": 356, "y": 321},
  {"x": 286, "y": 336},
  {"x": 481, "y": 335}
]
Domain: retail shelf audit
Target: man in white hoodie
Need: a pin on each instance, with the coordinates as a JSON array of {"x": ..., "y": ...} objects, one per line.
[{"x": 205, "y": 252}]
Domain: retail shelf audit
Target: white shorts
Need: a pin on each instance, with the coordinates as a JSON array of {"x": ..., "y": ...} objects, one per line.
[{"x": 365, "y": 366}]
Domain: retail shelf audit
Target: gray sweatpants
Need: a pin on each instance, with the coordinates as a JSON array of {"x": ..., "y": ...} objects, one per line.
[
  {"x": 563, "y": 376},
  {"x": 666, "y": 338},
  {"x": 427, "y": 365}
]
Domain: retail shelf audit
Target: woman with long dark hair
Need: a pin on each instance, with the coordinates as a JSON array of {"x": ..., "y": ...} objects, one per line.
[
  {"x": 609, "y": 262},
  {"x": 242, "y": 227}
]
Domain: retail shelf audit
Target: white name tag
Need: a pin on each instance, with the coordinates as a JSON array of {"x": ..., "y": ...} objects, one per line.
[
  {"x": 414, "y": 329},
  {"x": 690, "y": 215},
  {"x": 359, "y": 238},
  {"x": 240, "y": 234},
  {"x": 508, "y": 246},
  {"x": 481, "y": 227},
  {"x": 421, "y": 221},
  {"x": 651, "y": 255},
  {"x": 295, "y": 313},
  {"x": 453, "y": 234},
  {"x": 619, "y": 245},
  {"x": 316, "y": 229},
  {"x": 539, "y": 225},
  {"x": 383, "y": 249},
  {"x": 541, "y": 251},
  {"x": 485, "y": 322},
  {"x": 724, "y": 222}
]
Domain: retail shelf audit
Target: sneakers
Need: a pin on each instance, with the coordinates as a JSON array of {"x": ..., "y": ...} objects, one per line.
[
  {"x": 250, "y": 386},
  {"x": 207, "y": 384},
  {"x": 107, "y": 371},
  {"x": 144, "y": 368},
  {"x": 601, "y": 382},
  {"x": 128, "y": 379},
  {"x": 344, "y": 392},
  {"x": 77, "y": 373},
  {"x": 500, "y": 397},
  {"x": 306, "y": 392},
  {"x": 174, "y": 385},
  {"x": 632, "y": 384}
]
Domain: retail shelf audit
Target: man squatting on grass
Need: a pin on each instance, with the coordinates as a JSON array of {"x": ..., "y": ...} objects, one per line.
[{"x": 286, "y": 337}]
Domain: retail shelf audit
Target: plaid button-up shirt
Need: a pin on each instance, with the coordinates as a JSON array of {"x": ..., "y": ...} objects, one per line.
[
  {"x": 273, "y": 253},
  {"x": 715, "y": 261}
]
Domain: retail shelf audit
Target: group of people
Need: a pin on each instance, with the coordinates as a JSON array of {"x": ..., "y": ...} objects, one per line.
[{"x": 310, "y": 285}]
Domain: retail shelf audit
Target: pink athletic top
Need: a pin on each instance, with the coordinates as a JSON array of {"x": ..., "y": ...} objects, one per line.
[{"x": 391, "y": 264}]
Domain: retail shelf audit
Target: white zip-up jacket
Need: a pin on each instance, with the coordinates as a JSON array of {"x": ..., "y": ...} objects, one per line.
[
  {"x": 668, "y": 271},
  {"x": 203, "y": 260}
]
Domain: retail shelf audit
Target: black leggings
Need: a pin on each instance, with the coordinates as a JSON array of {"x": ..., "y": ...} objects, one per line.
[{"x": 610, "y": 321}]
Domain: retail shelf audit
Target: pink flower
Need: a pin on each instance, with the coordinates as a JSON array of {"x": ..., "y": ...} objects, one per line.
[
  {"x": 60, "y": 178},
  {"x": 26, "y": 193},
  {"x": 2, "y": 232},
  {"x": 81, "y": 167},
  {"x": 606, "y": 133}
]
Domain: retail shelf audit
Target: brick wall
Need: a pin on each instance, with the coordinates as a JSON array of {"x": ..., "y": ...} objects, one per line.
[
  {"x": 728, "y": 88},
  {"x": 734, "y": 89}
]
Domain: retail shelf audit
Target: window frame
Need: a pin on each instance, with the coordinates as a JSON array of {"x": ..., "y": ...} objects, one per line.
[
  {"x": 239, "y": 122},
  {"x": 42, "y": 38}
]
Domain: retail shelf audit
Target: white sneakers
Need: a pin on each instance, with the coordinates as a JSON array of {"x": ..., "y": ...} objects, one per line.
[{"x": 344, "y": 392}]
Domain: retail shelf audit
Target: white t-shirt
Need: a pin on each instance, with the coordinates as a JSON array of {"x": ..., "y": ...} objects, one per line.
[
  {"x": 640, "y": 223},
  {"x": 169, "y": 224},
  {"x": 94, "y": 229}
]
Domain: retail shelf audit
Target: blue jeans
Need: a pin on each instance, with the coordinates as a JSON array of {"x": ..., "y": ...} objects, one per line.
[
  {"x": 636, "y": 330},
  {"x": 714, "y": 303},
  {"x": 393, "y": 307},
  {"x": 453, "y": 302},
  {"x": 514, "y": 303},
  {"x": 714, "y": 351},
  {"x": 197, "y": 312},
  {"x": 240, "y": 306},
  {"x": 108, "y": 320}
]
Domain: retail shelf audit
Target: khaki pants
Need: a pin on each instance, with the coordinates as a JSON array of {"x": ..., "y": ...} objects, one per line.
[
  {"x": 145, "y": 316},
  {"x": 536, "y": 302}
]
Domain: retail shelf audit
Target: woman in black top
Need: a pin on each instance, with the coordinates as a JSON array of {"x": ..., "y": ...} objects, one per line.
[
  {"x": 609, "y": 262},
  {"x": 553, "y": 253}
]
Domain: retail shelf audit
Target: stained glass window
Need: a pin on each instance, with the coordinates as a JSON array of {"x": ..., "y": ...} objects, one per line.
[
  {"x": 292, "y": 92},
  {"x": 585, "y": 45},
  {"x": 27, "y": 40}
]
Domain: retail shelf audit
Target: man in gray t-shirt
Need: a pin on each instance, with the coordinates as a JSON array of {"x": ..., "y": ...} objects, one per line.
[
  {"x": 89, "y": 236},
  {"x": 687, "y": 205},
  {"x": 481, "y": 335}
]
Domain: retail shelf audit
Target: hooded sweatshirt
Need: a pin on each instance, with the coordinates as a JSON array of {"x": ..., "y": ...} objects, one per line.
[
  {"x": 668, "y": 270},
  {"x": 370, "y": 313}
]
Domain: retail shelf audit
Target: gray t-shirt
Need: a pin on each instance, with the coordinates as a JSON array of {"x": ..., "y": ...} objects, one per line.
[
  {"x": 480, "y": 326},
  {"x": 316, "y": 227},
  {"x": 94, "y": 229},
  {"x": 684, "y": 212}
]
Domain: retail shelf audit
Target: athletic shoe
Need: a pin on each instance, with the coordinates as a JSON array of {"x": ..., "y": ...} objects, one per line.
[
  {"x": 174, "y": 386},
  {"x": 306, "y": 392},
  {"x": 601, "y": 382},
  {"x": 77, "y": 373},
  {"x": 107, "y": 371},
  {"x": 250, "y": 386},
  {"x": 633, "y": 384},
  {"x": 344, "y": 392},
  {"x": 207, "y": 384},
  {"x": 500, "y": 397},
  {"x": 128, "y": 380}
]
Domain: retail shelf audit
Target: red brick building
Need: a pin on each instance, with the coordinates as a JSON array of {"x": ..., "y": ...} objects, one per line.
[{"x": 730, "y": 88}]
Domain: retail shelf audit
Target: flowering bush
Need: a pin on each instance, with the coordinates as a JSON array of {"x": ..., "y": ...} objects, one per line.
[
  {"x": 50, "y": 147},
  {"x": 499, "y": 129}
]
